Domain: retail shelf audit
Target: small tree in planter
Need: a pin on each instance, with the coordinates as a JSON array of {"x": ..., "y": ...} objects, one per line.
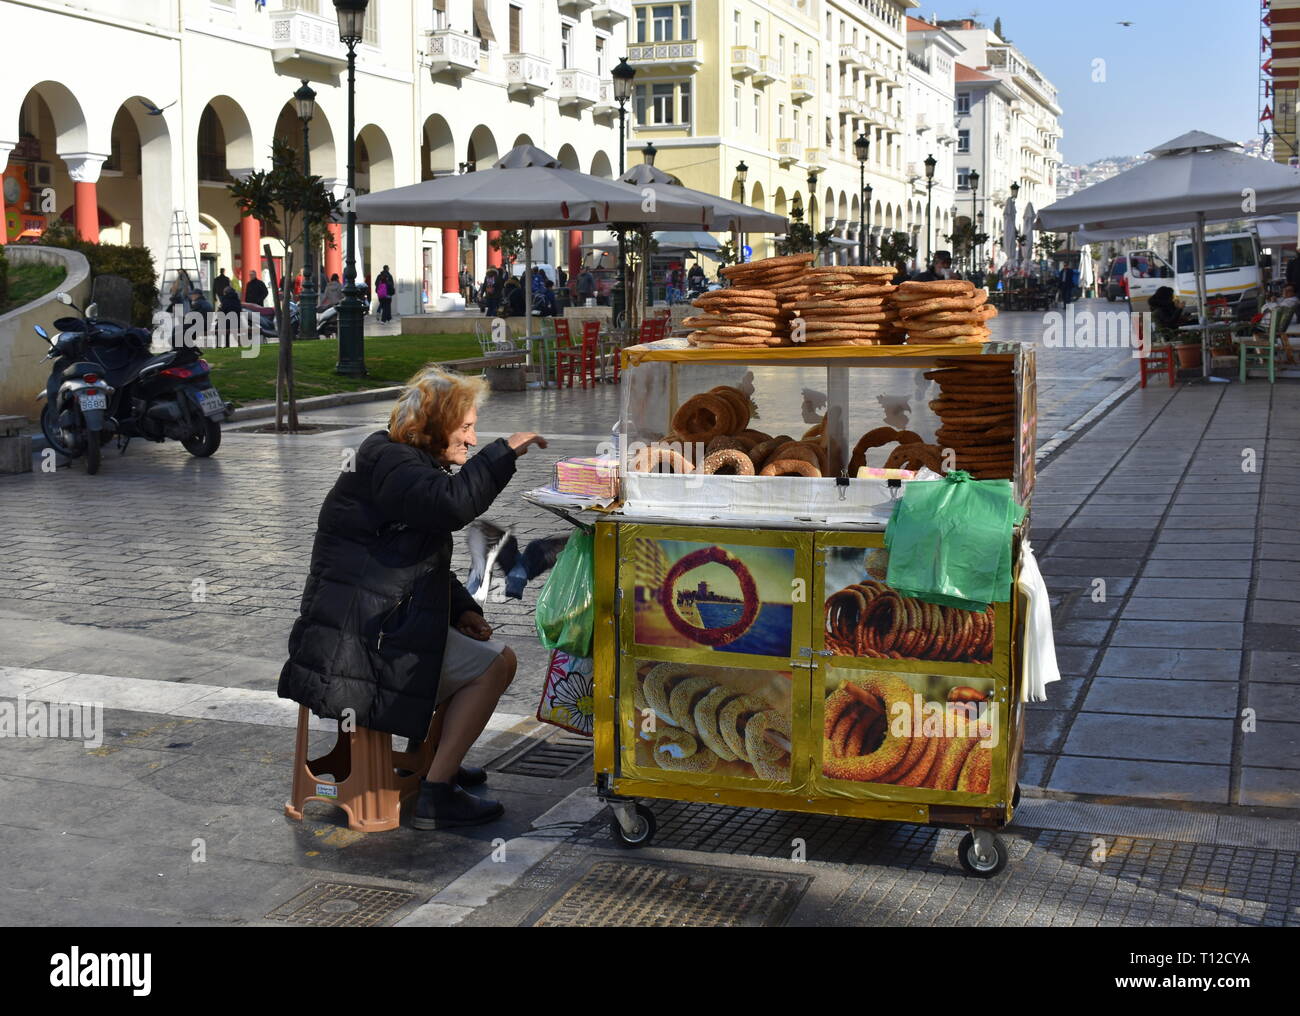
[
  {"x": 281, "y": 197},
  {"x": 896, "y": 247}
]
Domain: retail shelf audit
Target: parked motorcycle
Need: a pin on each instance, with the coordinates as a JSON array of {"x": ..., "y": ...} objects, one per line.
[
  {"x": 105, "y": 382},
  {"x": 267, "y": 323}
]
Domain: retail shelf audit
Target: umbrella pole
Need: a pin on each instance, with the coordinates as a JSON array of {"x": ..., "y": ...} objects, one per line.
[
  {"x": 1202, "y": 315},
  {"x": 528, "y": 295}
]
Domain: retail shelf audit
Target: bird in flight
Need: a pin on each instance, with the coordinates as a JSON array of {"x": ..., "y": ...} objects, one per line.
[
  {"x": 154, "y": 110},
  {"x": 1126, "y": 24}
]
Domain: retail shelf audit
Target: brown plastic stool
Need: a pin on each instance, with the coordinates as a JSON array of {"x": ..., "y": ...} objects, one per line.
[{"x": 364, "y": 776}]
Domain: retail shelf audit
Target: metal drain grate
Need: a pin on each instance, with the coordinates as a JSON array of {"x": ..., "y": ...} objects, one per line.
[
  {"x": 553, "y": 759},
  {"x": 613, "y": 894},
  {"x": 341, "y": 905}
]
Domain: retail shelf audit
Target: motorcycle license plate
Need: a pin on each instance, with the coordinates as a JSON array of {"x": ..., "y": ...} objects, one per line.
[
  {"x": 95, "y": 400},
  {"x": 210, "y": 402}
]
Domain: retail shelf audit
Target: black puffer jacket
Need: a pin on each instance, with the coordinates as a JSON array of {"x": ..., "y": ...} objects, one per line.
[{"x": 380, "y": 593}]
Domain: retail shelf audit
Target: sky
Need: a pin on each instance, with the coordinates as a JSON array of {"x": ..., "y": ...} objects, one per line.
[{"x": 1184, "y": 65}]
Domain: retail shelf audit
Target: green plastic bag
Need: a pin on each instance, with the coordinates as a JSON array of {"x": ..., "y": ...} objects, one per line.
[
  {"x": 949, "y": 541},
  {"x": 565, "y": 612}
]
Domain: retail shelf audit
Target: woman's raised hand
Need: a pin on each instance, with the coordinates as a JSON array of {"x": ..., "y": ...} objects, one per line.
[{"x": 520, "y": 442}]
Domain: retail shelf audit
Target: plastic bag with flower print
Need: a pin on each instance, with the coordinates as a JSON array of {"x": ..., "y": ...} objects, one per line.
[{"x": 568, "y": 695}]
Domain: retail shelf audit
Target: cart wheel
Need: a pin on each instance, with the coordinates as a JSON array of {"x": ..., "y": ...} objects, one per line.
[
  {"x": 987, "y": 867},
  {"x": 645, "y": 829},
  {"x": 1015, "y": 797}
]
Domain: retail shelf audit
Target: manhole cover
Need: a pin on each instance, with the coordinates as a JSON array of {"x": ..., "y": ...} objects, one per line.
[
  {"x": 340, "y": 905},
  {"x": 553, "y": 759},
  {"x": 613, "y": 894},
  {"x": 304, "y": 429}
]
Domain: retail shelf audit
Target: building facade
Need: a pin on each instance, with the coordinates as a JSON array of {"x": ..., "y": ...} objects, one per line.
[
  {"x": 1009, "y": 132},
  {"x": 932, "y": 56},
  {"x": 198, "y": 90}
]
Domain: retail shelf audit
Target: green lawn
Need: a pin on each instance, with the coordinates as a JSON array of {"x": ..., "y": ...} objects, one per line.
[
  {"x": 390, "y": 360},
  {"x": 28, "y": 282}
]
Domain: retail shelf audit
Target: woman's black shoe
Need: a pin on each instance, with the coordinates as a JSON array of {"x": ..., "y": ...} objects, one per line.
[{"x": 444, "y": 806}]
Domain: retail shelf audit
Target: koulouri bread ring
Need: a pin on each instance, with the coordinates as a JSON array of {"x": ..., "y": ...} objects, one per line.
[
  {"x": 654, "y": 458},
  {"x": 728, "y": 462},
  {"x": 791, "y": 467}
]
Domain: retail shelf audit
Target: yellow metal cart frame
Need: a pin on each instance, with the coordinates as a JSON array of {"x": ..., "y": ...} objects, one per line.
[{"x": 619, "y": 649}]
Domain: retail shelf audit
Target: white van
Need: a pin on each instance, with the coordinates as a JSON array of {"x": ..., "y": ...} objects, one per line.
[
  {"x": 1136, "y": 275},
  {"x": 1232, "y": 270}
]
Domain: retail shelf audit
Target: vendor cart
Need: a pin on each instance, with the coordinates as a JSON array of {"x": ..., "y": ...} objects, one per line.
[{"x": 747, "y": 649}]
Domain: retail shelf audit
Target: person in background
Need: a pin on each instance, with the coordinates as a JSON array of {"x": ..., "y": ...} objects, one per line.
[
  {"x": 220, "y": 284},
  {"x": 1167, "y": 314},
  {"x": 549, "y": 306},
  {"x": 333, "y": 292},
  {"x": 255, "y": 292},
  {"x": 940, "y": 268},
  {"x": 900, "y": 272},
  {"x": 514, "y": 298},
  {"x": 466, "y": 285},
  {"x": 561, "y": 277},
  {"x": 200, "y": 304},
  {"x": 586, "y": 285},
  {"x": 385, "y": 289}
]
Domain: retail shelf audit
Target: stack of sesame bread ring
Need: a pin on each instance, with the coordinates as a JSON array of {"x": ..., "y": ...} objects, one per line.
[
  {"x": 977, "y": 412},
  {"x": 946, "y": 310},
  {"x": 844, "y": 305},
  {"x": 748, "y": 312}
]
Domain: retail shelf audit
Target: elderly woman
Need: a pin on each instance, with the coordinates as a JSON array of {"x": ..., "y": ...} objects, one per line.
[{"x": 387, "y": 633}]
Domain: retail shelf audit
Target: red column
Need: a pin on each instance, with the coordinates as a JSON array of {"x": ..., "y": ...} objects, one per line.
[
  {"x": 494, "y": 256},
  {"x": 4, "y": 226},
  {"x": 250, "y": 242},
  {"x": 575, "y": 254},
  {"x": 87, "y": 211},
  {"x": 334, "y": 255},
  {"x": 450, "y": 261}
]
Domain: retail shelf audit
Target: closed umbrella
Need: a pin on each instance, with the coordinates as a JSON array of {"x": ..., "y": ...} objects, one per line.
[{"x": 1009, "y": 245}]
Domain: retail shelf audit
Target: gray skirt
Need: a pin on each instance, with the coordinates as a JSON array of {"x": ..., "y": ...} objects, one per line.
[{"x": 463, "y": 660}]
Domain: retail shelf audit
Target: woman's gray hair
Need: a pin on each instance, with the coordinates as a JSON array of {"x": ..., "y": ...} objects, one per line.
[{"x": 426, "y": 402}]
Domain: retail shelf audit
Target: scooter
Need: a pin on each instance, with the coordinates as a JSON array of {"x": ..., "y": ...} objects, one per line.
[{"x": 106, "y": 383}]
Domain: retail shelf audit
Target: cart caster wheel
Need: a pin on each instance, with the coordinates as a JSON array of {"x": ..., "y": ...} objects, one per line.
[
  {"x": 1015, "y": 797},
  {"x": 645, "y": 829},
  {"x": 993, "y": 861}
]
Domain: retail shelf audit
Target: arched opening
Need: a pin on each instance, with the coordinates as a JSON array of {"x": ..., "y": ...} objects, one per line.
[
  {"x": 569, "y": 158},
  {"x": 39, "y": 181},
  {"x": 225, "y": 151},
  {"x": 600, "y": 166},
  {"x": 377, "y": 245}
]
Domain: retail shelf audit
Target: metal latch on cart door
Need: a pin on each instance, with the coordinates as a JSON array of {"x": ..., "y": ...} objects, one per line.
[{"x": 806, "y": 652}]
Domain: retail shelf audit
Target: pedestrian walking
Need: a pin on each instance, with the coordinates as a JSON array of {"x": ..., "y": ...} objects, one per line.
[
  {"x": 219, "y": 285},
  {"x": 384, "y": 291},
  {"x": 255, "y": 292},
  {"x": 586, "y": 285},
  {"x": 408, "y": 651}
]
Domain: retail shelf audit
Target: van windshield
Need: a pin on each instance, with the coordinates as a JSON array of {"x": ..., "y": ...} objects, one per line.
[{"x": 1238, "y": 252}]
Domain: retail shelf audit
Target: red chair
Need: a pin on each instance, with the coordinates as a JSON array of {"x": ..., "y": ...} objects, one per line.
[
  {"x": 1159, "y": 359},
  {"x": 580, "y": 359}
]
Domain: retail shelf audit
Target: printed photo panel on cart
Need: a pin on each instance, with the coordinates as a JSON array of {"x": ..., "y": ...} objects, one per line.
[
  {"x": 697, "y": 594},
  {"x": 713, "y": 725},
  {"x": 928, "y": 738},
  {"x": 863, "y": 621}
]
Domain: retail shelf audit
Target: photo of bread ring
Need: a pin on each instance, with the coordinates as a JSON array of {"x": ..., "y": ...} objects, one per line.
[
  {"x": 728, "y": 462},
  {"x": 790, "y": 467}
]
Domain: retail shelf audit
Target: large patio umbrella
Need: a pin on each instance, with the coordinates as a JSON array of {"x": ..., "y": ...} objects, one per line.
[
  {"x": 525, "y": 189},
  {"x": 1192, "y": 180},
  {"x": 721, "y": 215}
]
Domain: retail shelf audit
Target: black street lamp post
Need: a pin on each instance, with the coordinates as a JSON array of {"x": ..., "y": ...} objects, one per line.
[
  {"x": 930, "y": 163},
  {"x": 352, "y": 341},
  {"x": 305, "y": 99},
  {"x": 974, "y": 206},
  {"x": 623, "y": 75},
  {"x": 812, "y": 220},
  {"x": 862, "y": 149},
  {"x": 871, "y": 254},
  {"x": 742, "y": 174}
]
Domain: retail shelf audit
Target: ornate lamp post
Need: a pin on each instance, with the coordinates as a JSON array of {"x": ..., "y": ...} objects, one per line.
[
  {"x": 305, "y": 100},
  {"x": 812, "y": 222},
  {"x": 871, "y": 254},
  {"x": 352, "y": 341},
  {"x": 742, "y": 174},
  {"x": 648, "y": 153},
  {"x": 862, "y": 149},
  {"x": 623, "y": 75},
  {"x": 930, "y": 163},
  {"x": 974, "y": 202}
]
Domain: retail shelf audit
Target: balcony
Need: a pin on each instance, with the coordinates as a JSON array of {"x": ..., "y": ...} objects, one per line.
[
  {"x": 577, "y": 88},
  {"x": 605, "y": 104},
  {"x": 851, "y": 56},
  {"x": 744, "y": 61},
  {"x": 847, "y": 105},
  {"x": 921, "y": 122},
  {"x": 574, "y": 8},
  {"x": 683, "y": 54},
  {"x": 302, "y": 35},
  {"x": 787, "y": 152},
  {"x": 608, "y": 13},
  {"x": 527, "y": 75},
  {"x": 451, "y": 53},
  {"x": 802, "y": 87},
  {"x": 815, "y": 158},
  {"x": 769, "y": 69}
]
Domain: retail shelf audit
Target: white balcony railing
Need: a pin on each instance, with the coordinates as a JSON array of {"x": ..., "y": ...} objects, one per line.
[
  {"x": 577, "y": 88},
  {"x": 851, "y": 56},
  {"x": 527, "y": 74},
  {"x": 744, "y": 61},
  {"x": 451, "y": 52},
  {"x": 302, "y": 35},
  {"x": 802, "y": 87},
  {"x": 815, "y": 158},
  {"x": 608, "y": 13},
  {"x": 605, "y": 102},
  {"x": 769, "y": 69},
  {"x": 788, "y": 151},
  {"x": 686, "y": 53}
]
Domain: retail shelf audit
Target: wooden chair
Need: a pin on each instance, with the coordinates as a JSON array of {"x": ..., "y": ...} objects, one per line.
[
  {"x": 1160, "y": 359},
  {"x": 579, "y": 359},
  {"x": 1261, "y": 350}
]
